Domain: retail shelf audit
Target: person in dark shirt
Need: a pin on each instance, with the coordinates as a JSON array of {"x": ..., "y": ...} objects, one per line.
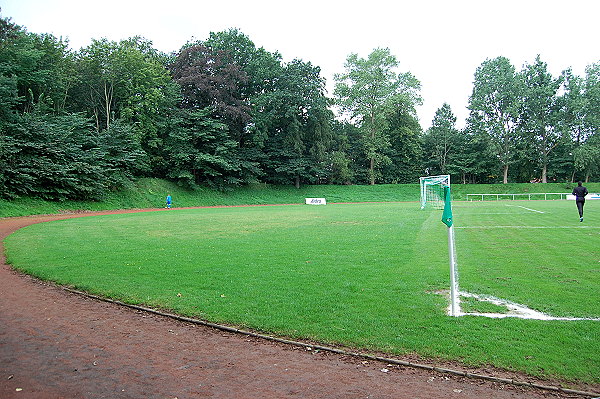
[{"x": 580, "y": 192}]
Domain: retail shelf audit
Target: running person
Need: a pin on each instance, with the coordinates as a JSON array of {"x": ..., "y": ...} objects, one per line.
[{"x": 580, "y": 192}]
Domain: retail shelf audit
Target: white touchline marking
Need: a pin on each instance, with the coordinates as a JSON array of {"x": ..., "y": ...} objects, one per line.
[
  {"x": 529, "y": 209},
  {"x": 527, "y": 227}
]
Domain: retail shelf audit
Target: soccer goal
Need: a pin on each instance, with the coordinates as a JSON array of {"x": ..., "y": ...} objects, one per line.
[
  {"x": 432, "y": 191},
  {"x": 435, "y": 193}
]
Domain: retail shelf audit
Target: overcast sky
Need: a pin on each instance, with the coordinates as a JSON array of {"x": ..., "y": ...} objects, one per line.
[{"x": 440, "y": 42}]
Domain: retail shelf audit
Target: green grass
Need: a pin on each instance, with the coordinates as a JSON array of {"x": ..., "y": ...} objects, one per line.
[
  {"x": 361, "y": 275},
  {"x": 151, "y": 193}
]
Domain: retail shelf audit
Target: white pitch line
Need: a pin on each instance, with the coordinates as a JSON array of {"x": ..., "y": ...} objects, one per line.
[
  {"x": 515, "y": 310},
  {"x": 526, "y": 227},
  {"x": 529, "y": 209}
]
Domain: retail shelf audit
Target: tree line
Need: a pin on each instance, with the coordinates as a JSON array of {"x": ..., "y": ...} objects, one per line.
[
  {"x": 523, "y": 126},
  {"x": 222, "y": 112}
]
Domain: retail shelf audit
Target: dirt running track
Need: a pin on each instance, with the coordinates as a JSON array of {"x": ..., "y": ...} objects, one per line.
[{"x": 56, "y": 344}]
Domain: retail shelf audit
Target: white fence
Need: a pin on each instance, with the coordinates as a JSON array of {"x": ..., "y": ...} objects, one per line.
[{"x": 528, "y": 196}]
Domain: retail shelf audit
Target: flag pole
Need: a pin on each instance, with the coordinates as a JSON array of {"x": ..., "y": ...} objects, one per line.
[
  {"x": 447, "y": 219},
  {"x": 454, "y": 306}
]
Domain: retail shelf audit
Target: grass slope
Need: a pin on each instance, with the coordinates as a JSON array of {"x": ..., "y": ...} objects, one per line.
[
  {"x": 151, "y": 193},
  {"x": 362, "y": 275}
]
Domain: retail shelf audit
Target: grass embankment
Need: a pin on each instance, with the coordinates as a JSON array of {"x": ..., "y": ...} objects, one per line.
[{"x": 151, "y": 193}]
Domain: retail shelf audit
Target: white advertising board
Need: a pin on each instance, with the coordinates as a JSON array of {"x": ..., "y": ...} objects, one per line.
[{"x": 315, "y": 201}]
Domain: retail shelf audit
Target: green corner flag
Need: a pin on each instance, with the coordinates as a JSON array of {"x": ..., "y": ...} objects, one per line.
[{"x": 447, "y": 214}]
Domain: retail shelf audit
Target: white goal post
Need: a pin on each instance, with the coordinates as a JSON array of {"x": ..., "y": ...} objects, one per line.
[
  {"x": 432, "y": 190},
  {"x": 435, "y": 193}
]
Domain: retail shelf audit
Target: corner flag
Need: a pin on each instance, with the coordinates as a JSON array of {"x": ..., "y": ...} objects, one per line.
[{"x": 447, "y": 214}]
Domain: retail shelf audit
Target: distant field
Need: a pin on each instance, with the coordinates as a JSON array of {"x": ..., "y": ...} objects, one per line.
[{"x": 362, "y": 275}]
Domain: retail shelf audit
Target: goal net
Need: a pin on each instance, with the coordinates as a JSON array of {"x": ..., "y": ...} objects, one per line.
[{"x": 432, "y": 191}]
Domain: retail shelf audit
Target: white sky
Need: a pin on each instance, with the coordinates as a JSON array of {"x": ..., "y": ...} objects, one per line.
[{"x": 441, "y": 42}]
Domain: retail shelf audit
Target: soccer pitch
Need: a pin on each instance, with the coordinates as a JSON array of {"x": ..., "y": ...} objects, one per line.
[{"x": 370, "y": 276}]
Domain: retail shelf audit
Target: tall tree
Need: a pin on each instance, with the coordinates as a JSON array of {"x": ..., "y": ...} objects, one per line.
[
  {"x": 212, "y": 84},
  {"x": 199, "y": 150},
  {"x": 495, "y": 109},
  {"x": 290, "y": 122},
  {"x": 297, "y": 122},
  {"x": 341, "y": 168},
  {"x": 587, "y": 157},
  {"x": 126, "y": 80},
  {"x": 207, "y": 80},
  {"x": 262, "y": 69},
  {"x": 441, "y": 140},
  {"x": 542, "y": 112},
  {"x": 10, "y": 36},
  {"x": 369, "y": 91},
  {"x": 587, "y": 154},
  {"x": 575, "y": 107},
  {"x": 35, "y": 70},
  {"x": 405, "y": 151}
]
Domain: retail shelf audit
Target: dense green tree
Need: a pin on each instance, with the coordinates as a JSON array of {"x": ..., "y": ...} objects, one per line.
[
  {"x": 123, "y": 156},
  {"x": 541, "y": 113},
  {"x": 587, "y": 158},
  {"x": 464, "y": 160},
  {"x": 369, "y": 91},
  {"x": 581, "y": 118},
  {"x": 222, "y": 111},
  {"x": 207, "y": 80},
  {"x": 575, "y": 106},
  {"x": 211, "y": 82},
  {"x": 441, "y": 141},
  {"x": 405, "y": 151},
  {"x": 262, "y": 71},
  {"x": 480, "y": 165},
  {"x": 290, "y": 127},
  {"x": 574, "y": 115},
  {"x": 199, "y": 150},
  {"x": 495, "y": 109},
  {"x": 35, "y": 71},
  {"x": 125, "y": 80},
  {"x": 9, "y": 98},
  {"x": 592, "y": 100},
  {"x": 297, "y": 123},
  {"x": 61, "y": 157},
  {"x": 341, "y": 168}
]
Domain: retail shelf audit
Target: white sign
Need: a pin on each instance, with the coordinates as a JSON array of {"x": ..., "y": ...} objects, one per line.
[
  {"x": 315, "y": 201},
  {"x": 590, "y": 196}
]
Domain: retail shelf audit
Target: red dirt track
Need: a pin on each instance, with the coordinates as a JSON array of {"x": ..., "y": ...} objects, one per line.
[{"x": 56, "y": 344}]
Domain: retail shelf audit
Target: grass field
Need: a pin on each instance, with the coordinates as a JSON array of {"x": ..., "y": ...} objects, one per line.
[{"x": 362, "y": 275}]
